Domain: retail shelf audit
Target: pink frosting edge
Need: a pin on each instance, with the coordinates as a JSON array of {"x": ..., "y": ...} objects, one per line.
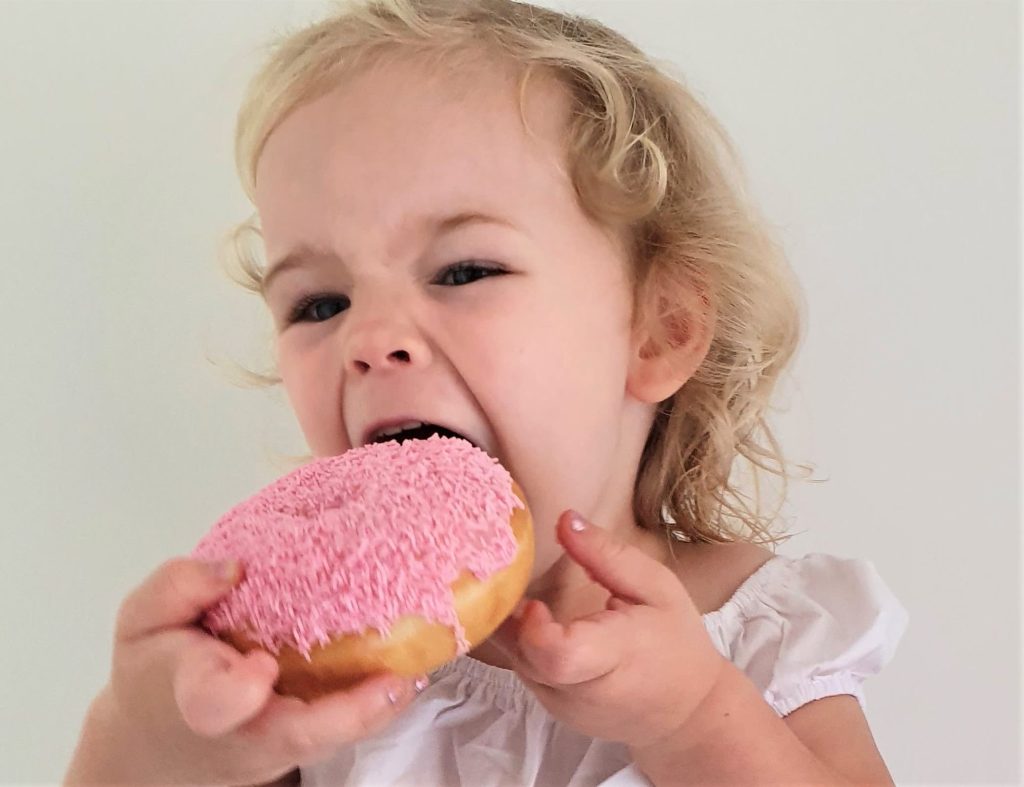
[{"x": 328, "y": 551}]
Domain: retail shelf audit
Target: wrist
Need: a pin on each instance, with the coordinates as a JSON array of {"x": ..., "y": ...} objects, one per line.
[
  {"x": 104, "y": 753},
  {"x": 733, "y": 737},
  {"x": 717, "y": 709},
  {"x": 728, "y": 693}
]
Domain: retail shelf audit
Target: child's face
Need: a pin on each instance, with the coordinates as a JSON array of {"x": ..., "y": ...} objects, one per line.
[{"x": 531, "y": 364}]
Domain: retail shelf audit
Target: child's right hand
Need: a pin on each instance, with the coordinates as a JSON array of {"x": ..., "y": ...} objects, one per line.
[{"x": 183, "y": 706}]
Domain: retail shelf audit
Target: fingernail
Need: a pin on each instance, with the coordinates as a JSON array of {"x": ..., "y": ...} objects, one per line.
[
  {"x": 393, "y": 696},
  {"x": 421, "y": 684},
  {"x": 576, "y": 522},
  {"x": 225, "y": 570}
]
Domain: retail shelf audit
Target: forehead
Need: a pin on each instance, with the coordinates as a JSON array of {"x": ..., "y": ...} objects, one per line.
[{"x": 398, "y": 140}]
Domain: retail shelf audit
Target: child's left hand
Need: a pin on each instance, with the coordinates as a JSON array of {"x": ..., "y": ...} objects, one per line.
[{"x": 634, "y": 672}]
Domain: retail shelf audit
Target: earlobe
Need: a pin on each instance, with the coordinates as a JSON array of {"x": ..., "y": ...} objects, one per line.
[{"x": 669, "y": 353}]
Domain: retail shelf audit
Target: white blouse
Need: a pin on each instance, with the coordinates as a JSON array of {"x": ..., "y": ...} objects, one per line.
[{"x": 799, "y": 628}]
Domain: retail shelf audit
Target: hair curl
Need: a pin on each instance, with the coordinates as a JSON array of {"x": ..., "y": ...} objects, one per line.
[{"x": 644, "y": 154}]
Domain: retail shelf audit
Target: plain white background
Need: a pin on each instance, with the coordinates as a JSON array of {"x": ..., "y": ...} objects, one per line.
[{"x": 882, "y": 139}]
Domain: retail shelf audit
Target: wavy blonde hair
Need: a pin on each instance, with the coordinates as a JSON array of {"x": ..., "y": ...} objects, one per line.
[{"x": 643, "y": 154}]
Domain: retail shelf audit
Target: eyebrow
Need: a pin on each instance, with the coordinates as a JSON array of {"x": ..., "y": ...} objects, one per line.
[{"x": 305, "y": 254}]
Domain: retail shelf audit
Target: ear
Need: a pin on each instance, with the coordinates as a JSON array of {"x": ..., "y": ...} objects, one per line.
[{"x": 659, "y": 368}]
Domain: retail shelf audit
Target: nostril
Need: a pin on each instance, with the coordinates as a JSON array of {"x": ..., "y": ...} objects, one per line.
[{"x": 397, "y": 356}]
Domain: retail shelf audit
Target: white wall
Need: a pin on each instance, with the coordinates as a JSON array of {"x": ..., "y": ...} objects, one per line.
[{"x": 882, "y": 139}]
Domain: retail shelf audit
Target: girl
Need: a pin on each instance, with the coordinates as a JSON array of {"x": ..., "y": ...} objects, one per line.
[{"x": 501, "y": 218}]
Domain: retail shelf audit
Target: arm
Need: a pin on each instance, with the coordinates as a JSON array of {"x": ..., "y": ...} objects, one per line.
[
  {"x": 100, "y": 754},
  {"x": 96, "y": 761},
  {"x": 735, "y": 737}
]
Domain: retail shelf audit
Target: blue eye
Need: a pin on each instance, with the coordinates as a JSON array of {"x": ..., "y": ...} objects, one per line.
[
  {"x": 461, "y": 273},
  {"x": 299, "y": 311},
  {"x": 466, "y": 272}
]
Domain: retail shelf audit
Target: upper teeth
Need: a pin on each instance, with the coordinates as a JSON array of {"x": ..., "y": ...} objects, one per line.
[{"x": 393, "y": 430}]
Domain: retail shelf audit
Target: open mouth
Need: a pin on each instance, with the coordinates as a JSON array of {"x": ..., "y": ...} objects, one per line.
[{"x": 421, "y": 432}]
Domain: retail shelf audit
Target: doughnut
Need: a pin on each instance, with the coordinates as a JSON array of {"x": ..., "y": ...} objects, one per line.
[{"x": 396, "y": 556}]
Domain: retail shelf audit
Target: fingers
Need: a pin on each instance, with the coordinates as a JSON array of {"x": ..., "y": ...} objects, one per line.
[
  {"x": 196, "y": 694},
  {"x": 621, "y": 568},
  {"x": 554, "y": 655},
  {"x": 217, "y": 688},
  {"x": 301, "y": 729},
  {"x": 175, "y": 594}
]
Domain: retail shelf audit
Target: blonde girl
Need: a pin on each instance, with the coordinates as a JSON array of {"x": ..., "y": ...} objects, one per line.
[{"x": 510, "y": 221}]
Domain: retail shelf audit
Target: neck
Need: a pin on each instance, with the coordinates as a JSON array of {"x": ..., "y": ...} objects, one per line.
[{"x": 565, "y": 587}]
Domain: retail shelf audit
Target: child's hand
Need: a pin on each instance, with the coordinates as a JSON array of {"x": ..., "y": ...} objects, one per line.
[
  {"x": 184, "y": 707},
  {"x": 634, "y": 672}
]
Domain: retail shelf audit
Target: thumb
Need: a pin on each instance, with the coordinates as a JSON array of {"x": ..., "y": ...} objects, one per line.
[
  {"x": 176, "y": 594},
  {"x": 217, "y": 688}
]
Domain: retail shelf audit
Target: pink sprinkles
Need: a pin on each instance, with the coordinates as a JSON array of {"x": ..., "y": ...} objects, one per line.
[{"x": 356, "y": 541}]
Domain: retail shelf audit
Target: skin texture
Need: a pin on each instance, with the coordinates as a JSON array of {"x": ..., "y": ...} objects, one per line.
[
  {"x": 537, "y": 365},
  {"x": 182, "y": 707}
]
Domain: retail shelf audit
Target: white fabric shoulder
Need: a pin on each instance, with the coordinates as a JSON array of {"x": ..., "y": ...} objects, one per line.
[{"x": 811, "y": 627}]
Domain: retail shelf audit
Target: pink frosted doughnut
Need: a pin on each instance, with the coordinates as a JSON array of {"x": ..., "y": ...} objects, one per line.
[{"x": 393, "y": 557}]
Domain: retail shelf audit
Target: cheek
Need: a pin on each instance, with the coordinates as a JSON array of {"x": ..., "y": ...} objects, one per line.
[
  {"x": 305, "y": 378},
  {"x": 555, "y": 394}
]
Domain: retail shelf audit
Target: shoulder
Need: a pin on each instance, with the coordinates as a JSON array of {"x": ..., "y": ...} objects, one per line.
[{"x": 712, "y": 573}]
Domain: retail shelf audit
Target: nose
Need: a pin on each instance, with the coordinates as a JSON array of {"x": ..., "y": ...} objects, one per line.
[{"x": 385, "y": 343}]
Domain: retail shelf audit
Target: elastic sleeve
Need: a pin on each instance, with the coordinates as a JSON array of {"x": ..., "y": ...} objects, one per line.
[{"x": 813, "y": 627}]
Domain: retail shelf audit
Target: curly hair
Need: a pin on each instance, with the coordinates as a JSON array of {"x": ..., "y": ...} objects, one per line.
[{"x": 643, "y": 153}]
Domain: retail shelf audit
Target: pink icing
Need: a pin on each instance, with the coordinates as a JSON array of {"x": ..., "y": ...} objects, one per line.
[{"x": 351, "y": 542}]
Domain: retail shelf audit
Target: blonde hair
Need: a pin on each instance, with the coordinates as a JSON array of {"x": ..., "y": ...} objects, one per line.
[{"x": 644, "y": 154}]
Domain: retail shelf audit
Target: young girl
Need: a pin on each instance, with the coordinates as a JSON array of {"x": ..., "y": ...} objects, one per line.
[{"x": 508, "y": 220}]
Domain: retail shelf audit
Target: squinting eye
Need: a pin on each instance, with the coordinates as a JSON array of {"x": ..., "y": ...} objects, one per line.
[
  {"x": 457, "y": 275},
  {"x": 466, "y": 273},
  {"x": 298, "y": 312}
]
